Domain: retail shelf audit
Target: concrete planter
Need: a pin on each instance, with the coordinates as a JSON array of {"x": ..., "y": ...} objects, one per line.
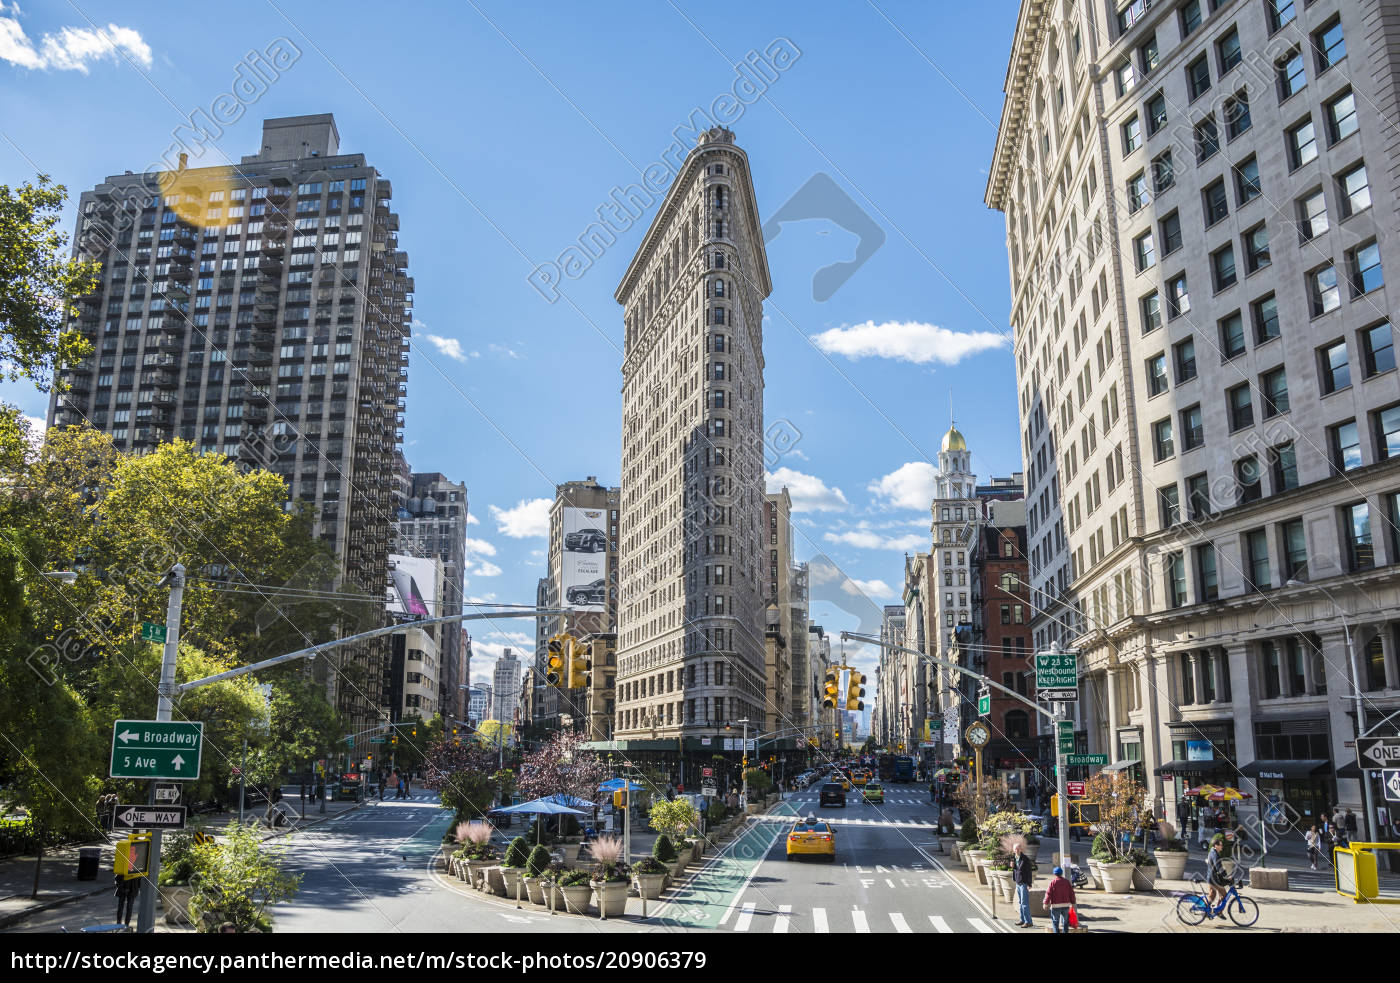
[
  {"x": 954, "y": 849},
  {"x": 176, "y": 900},
  {"x": 1171, "y": 865},
  {"x": 577, "y": 898},
  {"x": 697, "y": 850},
  {"x": 570, "y": 851},
  {"x": 493, "y": 880},
  {"x": 982, "y": 869},
  {"x": 678, "y": 868},
  {"x": 611, "y": 898},
  {"x": 1144, "y": 877},
  {"x": 1117, "y": 878},
  {"x": 474, "y": 871},
  {"x": 534, "y": 890},
  {"x": 1032, "y": 850},
  {"x": 972, "y": 858},
  {"x": 649, "y": 885}
]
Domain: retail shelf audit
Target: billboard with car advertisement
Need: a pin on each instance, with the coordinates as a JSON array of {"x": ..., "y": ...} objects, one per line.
[
  {"x": 413, "y": 584},
  {"x": 584, "y": 585}
]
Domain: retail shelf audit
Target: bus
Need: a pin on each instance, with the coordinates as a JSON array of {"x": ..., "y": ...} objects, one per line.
[
  {"x": 886, "y": 766},
  {"x": 904, "y": 768}
]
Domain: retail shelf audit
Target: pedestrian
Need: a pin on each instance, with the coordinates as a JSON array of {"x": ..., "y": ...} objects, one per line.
[
  {"x": 1059, "y": 899},
  {"x": 1351, "y": 825},
  {"x": 1314, "y": 841},
  {"x": 1022, "y": 874},
  {"x": 1203, "y": 828}
]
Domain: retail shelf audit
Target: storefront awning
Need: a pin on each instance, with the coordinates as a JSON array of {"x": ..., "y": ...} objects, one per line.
[
  {"x": 1349, "y": 770},
  {"x": 1291, "y": 770},
  {"x": 1190, "y": 769},
  {"x": 1122, "y": 765}
]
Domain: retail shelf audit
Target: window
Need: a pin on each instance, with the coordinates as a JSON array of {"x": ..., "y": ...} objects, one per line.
[
  {"x": 1207, "y": 583},
  {"x": 1222, "y": 265},
  {"x": 1190, "y": 17},
  {"x": 1236, "y": 114},
  {"x": 1144, "y": 251},
  {"x": 1207, "y": 139},
  {"x": 1322, "y": 290},
  {"x": 1387, "y": 426},
  {"x": 1247, "y": 181},
  {"x": 1228, "y": 50},
  {"x": 1295, "y": 550},
  {"x": 1375, "y": 664},
  {"x": 1148, "y": 55},
  {"x": 1302, "y": 144},
  {"x": 1257, "y": 556},
  {"x": 1285, "y": 464},
  {"x": 1345, "y": 442},
  {"x": 1247, "y": 479},
  {"x": 1198, "y": 497},
  {"x": 1336, "y": 370},
  {"x": 1192, "y": 429},
  {"x": 1264, "y": 313},
  {"x": 1176, "y": 579},
  {"x": 1312, "y": 216},
  {"x": 1354, "y": 191},
  {"x": 1132, "y": 135},
  {"x": 1292, "y": 75},
  {"x": 1151, "y": 312},
  {"x": 1329, "y": 45},
  {"x": 1217, "y": 204},
  {"x": 1269, "y": 670},
  {"x": 1280, "y": 13},
  {"x": 1156, "y": 375},
  {"x": 1156, "y": 113},
  {"x": 1178, "y": 298},
  {"x": 1137, "y": 191},
  {"x": 1162, "y": 439},
  {"x": 1273, "y": 392},
  {"x": 1364, "y": 264},
  {"x": 1162, "y": 174},
  {"x": 1231, "y": 336},
  {"x": 1378, "y": 349},
  {"x": 1124, "y": 79},
  {"x": 1341, "y": 117},
  {"x": 1185, "y": 354},
  {"x": 1171, "y": 234},
  {"x": 1357, "y": 520},
  {"x": 1168, "y": 506},
  {"x": 1198, "y": 77},
  {"x": 1241, "y": 407},
  {"x": 1256, "y": 249}
]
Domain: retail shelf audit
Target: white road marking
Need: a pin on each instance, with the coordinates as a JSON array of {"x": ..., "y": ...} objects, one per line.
[
  {"x": 819, "y": 921},
  {"x": 940, "y": 924},
  {"x": 900, "y": 925},
  {"x": 780, "y": 926},
  {"x": 890, "y": 883},
  {"x": 862, "y": 924},
  {"x": 982, "y": 926},
  {"x": 745, "y": 918}
]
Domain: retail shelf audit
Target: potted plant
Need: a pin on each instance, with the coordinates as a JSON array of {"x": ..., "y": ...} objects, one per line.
[
  {"x": 610, "y": 876},
  {"x": 1170, "y": 854},
  {"x": 1144, "y": 870},
  {"x": 663, "y": 851},
  {"x": 177, "y": 867},
  {"x": 947, "y": 838},
  {"x": 476, "y": 852},
  {"x": 1032, "y": 844},
  {"x": 1122, "y": 803},
  {"x": 535, "y": 865},
  {"x": 237, "y": 881},
  {"x": 517, "y": 854},
  {"x": 575, "y": 886},
  {"x": 651, "y": 877},
  {"x": 999, "y": 873},
  {"x": 1113, "y": 872},
  {"x": 971, "y": 846}
]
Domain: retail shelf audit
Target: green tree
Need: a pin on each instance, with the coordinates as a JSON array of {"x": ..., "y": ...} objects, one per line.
[
  {"x": 237, "y": 879},
  {"x": 38, "y": 283}
]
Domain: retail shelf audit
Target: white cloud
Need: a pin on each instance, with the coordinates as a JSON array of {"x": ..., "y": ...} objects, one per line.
[
  {"x": 871, "y": 588},
  {"x": 527, "y": 518},
  {"x": 907, "y": 341},
  {"x": 484, "y": 569},
  {"x": 867, "y": 540},
  {"x": 450, "y": 347},
  {"x": 809, "y": 493},
  {"x": 481, "y": 546},
  {"x": 911, "y": 486},
  {"x": 503, "y": 350},
  {"x": 472, "y": 520},
  {"x": 71, "y": 49}
]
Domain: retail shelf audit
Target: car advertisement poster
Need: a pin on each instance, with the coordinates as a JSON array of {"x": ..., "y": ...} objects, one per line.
[
  {"x": 585, "y": 559},
  {"x": 413, "y": 586}
]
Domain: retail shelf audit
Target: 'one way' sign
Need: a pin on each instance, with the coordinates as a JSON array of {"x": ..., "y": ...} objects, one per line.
[{"x": 1377, "y": 752}]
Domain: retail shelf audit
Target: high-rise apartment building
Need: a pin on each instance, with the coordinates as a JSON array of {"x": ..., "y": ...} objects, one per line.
[
  {"x": 432, "y": 522},
  {"x": 481, "y": 700},
  {"x": 690, "y": 645},
  {"x": 1208, "y": 395},
  {"x": 778, "y": 623},
  {"x": 260, "y": 310},
  {"x": 885, "y": 720},
  {"x": 505, "y": 687}
]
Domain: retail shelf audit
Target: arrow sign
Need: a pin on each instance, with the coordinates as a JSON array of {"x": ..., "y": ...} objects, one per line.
[
  {"x": 1058, "y": 695},
  {"x": 1372, "y": 752},
  {"x": 149, "y": 817},
  {"x": 1390, "y": 779},
  {"x": 156, "y": 749}
]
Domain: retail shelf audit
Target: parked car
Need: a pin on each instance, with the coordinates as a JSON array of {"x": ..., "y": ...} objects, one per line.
[
  {"x": 594, "y": 593},
  {"x": 585, "y": 541}
]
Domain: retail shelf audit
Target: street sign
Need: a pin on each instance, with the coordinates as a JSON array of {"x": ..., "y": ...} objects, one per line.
[
  {"x": 1075, "y": 790},
  {"x": 936, "y": 723},
  {"x": 152, "y": 632},
  {"x": 984, "y": 703},
  {"x": 376, "y": 740},
  {"x": 168, "y": 795},
  {"x": 1058, "y": 695},
  {"x": 1065, "y": 732},
  {"x": 1086, "y": 760},
  {"x": 707, "y": 772},
  {"x": 156, "y": 749},
  {"x": 1056, "y": 670},
  {"x": 1390, "y": 781},
  {"x": 708, "y": 789},
  {"x": 149, "y": 817},
  {"x": 1374, "y": 752}
]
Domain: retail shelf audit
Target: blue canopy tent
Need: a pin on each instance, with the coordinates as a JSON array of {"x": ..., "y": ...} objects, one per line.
[
  {"x": 572, "y": 801},
  {"x": 545, "y": 806},
  {"x": 616, "y": 784}
]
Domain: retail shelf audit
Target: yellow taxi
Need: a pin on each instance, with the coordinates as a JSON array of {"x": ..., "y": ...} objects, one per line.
[
  {"x": 845, "y": 780},
  {"x": 812, "y": 837},
  {"x": 874, "y": 792},
  {"x": 860, "y": 777}
]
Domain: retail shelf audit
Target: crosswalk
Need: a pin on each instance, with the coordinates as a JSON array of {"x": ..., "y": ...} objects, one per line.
[
  {"x": 749, "y": 917},
  {"x": 853, "y": 798}
]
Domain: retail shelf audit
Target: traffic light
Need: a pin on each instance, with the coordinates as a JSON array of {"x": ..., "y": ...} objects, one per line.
[
  {"x": 830, "y": 688},
  {"x": 554, "y": 675},
  {"x": 580, "y": 665},
  {"x": 855, "y": 689}
]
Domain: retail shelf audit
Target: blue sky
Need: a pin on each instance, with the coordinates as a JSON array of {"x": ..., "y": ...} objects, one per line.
[{"x": 505, "y": 125}]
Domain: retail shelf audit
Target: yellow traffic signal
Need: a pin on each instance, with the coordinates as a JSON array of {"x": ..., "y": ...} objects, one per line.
[
  {"x": 855, "y": 689},
  {"x": 554, "y": 675},
  {"x": 830, "y": 689},
  {"x": 580, "y": 665}
]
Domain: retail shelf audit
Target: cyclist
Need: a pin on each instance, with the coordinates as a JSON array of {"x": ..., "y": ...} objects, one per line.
[{"x": 1217, "y": 880}]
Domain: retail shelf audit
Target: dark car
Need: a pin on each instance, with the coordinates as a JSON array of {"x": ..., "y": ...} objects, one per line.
[
  {"x": 833, "y": 793},
  {"x": 594, "y": 593},
  {"x": 585, "y": 541}
]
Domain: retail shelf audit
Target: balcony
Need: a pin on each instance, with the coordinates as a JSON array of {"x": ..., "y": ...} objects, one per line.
[
  {"x": 181, "y": 256},
  {"x": 279, "y": 195},
  {"x": 274, "y": 229},
  {"x": 260, "y": 356},
  {"x": 160, "y": 378},
  {"x": 273, "y": 248},
  {"x": 175, "y": 290},
  {"x": 181, "y": 273},
  {"x": 270, "y": 267},
  {"x": 185, "y": 235},
  {"x": 255, "y": 412}
]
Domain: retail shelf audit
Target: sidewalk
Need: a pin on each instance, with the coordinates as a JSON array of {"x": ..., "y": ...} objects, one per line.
[{"x": 59, "y": 886}]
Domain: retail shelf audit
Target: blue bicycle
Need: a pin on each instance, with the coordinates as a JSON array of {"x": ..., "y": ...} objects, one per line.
[{"x": 1192, "y": 909}]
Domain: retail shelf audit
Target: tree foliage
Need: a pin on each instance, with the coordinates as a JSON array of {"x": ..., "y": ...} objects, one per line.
[
  {"x": 464, "y": 777},
  {"x": 562, "y": 767},
  {"x": 238, "y": 878}
]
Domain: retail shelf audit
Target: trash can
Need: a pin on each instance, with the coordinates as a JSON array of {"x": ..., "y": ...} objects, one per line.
[{"x": 89, "y": 860}]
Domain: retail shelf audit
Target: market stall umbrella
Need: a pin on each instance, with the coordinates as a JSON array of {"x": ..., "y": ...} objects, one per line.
[
  {"x": 1203, "y": 790},
  {"x": 1228, "y": 794},
  {"x": 542, "y": 807},
  {"x": 570, "y": 800},
  {"x": 616, "y": 784}
]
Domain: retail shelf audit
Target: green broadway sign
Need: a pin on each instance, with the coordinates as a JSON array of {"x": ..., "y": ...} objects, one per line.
[
  {"x": 984, "y": 703},
  {"x": 1065, "y": 736},
  {"x": 167, "y": 749},
  {"x": 1056, "y": 670},
  {"x": 1089, "y": 760}
]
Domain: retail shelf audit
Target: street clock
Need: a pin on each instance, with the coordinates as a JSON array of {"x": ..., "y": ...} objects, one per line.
[{"x": 978, "y": 735}]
